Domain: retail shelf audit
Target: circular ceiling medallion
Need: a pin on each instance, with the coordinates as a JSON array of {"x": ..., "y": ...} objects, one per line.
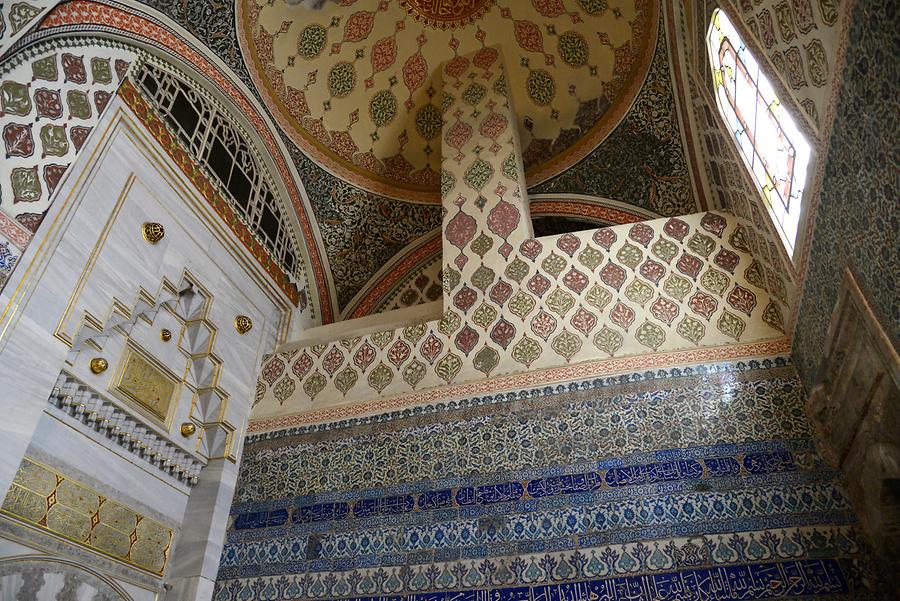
[
  {"x": 358, "y": 86},
  {"x": 446, "y": 13}
]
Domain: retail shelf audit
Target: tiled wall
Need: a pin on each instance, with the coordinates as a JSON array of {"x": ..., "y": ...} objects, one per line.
[
  {"x": 700, "y": 481},
  {"x": 856, "y": 222}
]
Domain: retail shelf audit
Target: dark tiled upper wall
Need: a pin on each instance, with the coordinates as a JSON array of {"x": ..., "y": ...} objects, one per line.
[{"x": 857, "y": 223}]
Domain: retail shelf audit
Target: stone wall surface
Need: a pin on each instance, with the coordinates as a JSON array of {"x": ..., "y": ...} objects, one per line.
[{"x": 696, "y": 482}]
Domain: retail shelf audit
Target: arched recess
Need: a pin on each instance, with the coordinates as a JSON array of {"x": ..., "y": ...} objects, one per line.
[
  {"x": 55, "y": 90},
  {"x": 38, "y": 576},
  {"x": 141, "y": 27}
]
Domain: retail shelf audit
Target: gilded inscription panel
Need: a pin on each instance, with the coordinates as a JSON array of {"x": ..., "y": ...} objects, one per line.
[{"x": 146, "y": 384}]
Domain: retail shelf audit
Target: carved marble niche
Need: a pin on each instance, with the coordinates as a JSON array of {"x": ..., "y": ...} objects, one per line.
[
  {"x": 855, "y": 405},
  {"x": 41, "y": 578}
]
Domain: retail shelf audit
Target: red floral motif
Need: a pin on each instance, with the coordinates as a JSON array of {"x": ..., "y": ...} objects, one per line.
[
  {"x": 575, "y": 280},
  {"x": 503, "y": 332},
  {"x": 652, "y": 270},
  {"x": 584, "y": 321},
  {"x": 333, "y": 360},
  {"x": 549, "y": 8},
  {"x": 612, "y": 275},
  {"x": 742, "y": 299},
  {"x": 622, "y": 315},
  {"x": 676, "y": 228},
  {"x": 714, "y": 224},
  {"x": 664, "y": 310},
  {"x": 79, "y": 135},
  {"x": 398, "y": 353},
  {"x": 568, "y": 243},
  {"x": 52, "y": 174},
  {"x": 485, "y": 57},
  {"x": 538, "y": 284},
  {"x": 18, "y": 140},
  {"x": 703, "y": 304},
  {"x": 101, "y": 99},
  {"x": 384, "y": 53},
  {"x": 727, "y": 260},
  {"x": 528, "y": 36},
  {"x": 465, "y": 298},
  {"x": 460, "y": 230},
  {"x": 415, "y": 70},
  {"x": 73, "y": 67},
  {"x": 456, "y": 67},
  {"x": 503, "y": 219},
  {"x": 48, "y": 103},
  {"x": 458, "y": 134},
  {"x": 364, "y": 356},
  {"x": 501, "y": 292},
  {"x": 431, "y": 347},
  {"x": 466, "y": 339},
  {"x": 272, "y": 370},
  {"x": 689, "y": 265},
  {"x": 641, "y": 233},
  {"x": 493, "y": 125},
  {"x": 531, "y": 248},
  {"x": 543, "y": 324},
  {"x": 605, "y": 237},
  {"x": 358, "y": 26}
]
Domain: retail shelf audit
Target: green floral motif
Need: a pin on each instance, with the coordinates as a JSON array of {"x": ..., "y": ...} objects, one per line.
[
  {"x": 738, "y": 239},
  {"x": 510, "y": 168},
  {"x": 25, "y": 184},
  {"x": 45, "y": 68},
  {"x": 311, "y": 41},
  {"x": 590, "y": 257},
  {"x": 484, "y": 315},
  {"x": 553, "y": 264},
  {"x": 526, "y": 351},
  {"x": 486, "y": 360},
  {"x": 630, "y": 255},
  {"x": 482, "y": 244},
  {"x": 54, "y": 141},
  {"x": 79, "y": 106},
  {"x": 483, "y": 277},
  {"x": 383, "y": 109},
  {"x": 451, "y": 278},
  {"x": 521, "y": 304},
  {"x": 380, "y": 377},
  {"x": 101, "y": 70},
  {"x": 478, "y": 174},
  {"x": 14, "y": 98},
  {"x": 415, "y": 333},
  {"x": 428, "y": 121},
  {"x": 383, "y": 338},
  {"x": 566, "y": 344},
  {"x": 560, "y": 302},
  {"x": 314, "y": 384},
  {"x": 677, "y": 287},
  {"x": 650, "y": 335},
  {"x": 448, "y": 367},
  {"x": 754, "y": 275},
  {"x": 664, "y": 249},
  {"x": 517, "y": 270},
  {"x": 772, "y": 317},
  {"x": 341, "y": 79},
  {"x": 714, "y": 280},
  {"x": 593, "y": 7},
  {"x": 21, "y": 15},
  {"x": 449, "y": 323},
  {"x": 701, "y": 244},
  {"x": 598, "y": 296},
  {"x": 731, "y": 325},
  {"x": 474, "y": 94},
  {"x": 608, "y": 340},
  {"x": 414, "y": 372},
  {"x": 318, "y": 349},
  {"x": 350, "y": 343},
  {"x": 346, "y": 379},
  {"x": 691, "y": 329},
  {"x": 500, "y": 85},
  {"x": 541, "y": 87},
  {"x": 638, "y": 292},
  {"x": 573, "y": 49}
]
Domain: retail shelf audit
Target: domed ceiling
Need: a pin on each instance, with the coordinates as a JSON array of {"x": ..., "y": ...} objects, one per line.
[{"x": 357, "y": 84}]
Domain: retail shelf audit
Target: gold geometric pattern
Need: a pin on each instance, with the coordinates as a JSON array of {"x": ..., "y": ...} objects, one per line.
[{"x": 58, "y": 504}]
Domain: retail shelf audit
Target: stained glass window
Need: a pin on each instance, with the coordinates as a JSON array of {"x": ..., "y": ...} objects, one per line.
[{"x": 775, "y": 152}]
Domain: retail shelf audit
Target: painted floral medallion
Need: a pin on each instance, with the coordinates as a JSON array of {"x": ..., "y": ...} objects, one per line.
[{"x": 358, "y": 86}]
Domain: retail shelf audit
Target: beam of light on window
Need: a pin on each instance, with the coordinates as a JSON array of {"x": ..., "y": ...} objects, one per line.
[{"x": 774, "y": 150}]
